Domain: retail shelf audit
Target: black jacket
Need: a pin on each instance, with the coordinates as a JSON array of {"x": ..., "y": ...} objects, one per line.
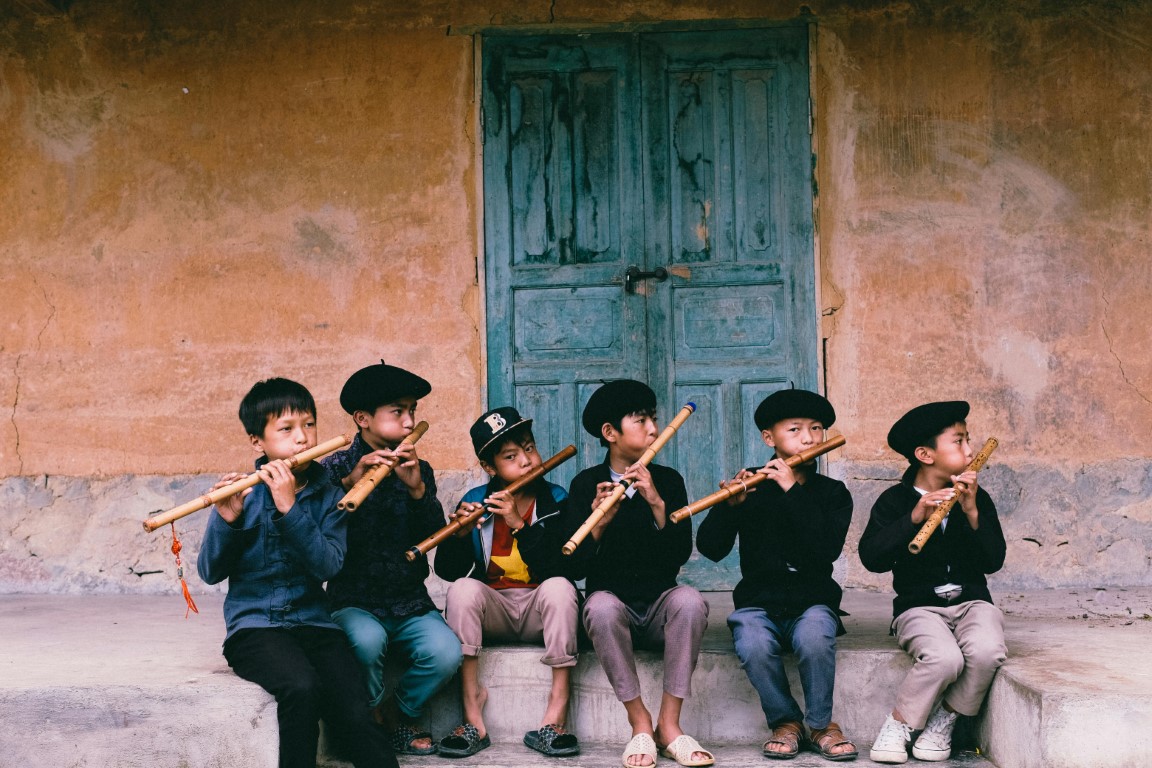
[
  {"x": 804, "y": 528},
  {"x": 957, "y": 554},
  {"x": 634, "y": 559}
]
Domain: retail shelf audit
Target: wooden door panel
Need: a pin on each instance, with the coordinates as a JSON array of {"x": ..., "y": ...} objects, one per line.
[{"x": 687, "y": 151}]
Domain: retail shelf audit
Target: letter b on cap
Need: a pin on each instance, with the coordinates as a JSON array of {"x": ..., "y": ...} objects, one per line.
[{"x": 495, "y": 422}]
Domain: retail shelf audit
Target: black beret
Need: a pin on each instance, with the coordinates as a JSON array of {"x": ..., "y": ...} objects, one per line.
[
  {"x": 921, "y": 424},
  {"x": 493, "y": 425},
  {"x": 377, "y": 385},
  {"x": 614, "y": 401},
  {"x": 793, "y": 404}
]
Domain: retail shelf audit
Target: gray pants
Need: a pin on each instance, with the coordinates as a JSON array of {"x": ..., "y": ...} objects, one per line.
[
  {"x": 955, "y": 652},
  {"x": 476, "y": 612},
  {"x": 675, "y": 622}
]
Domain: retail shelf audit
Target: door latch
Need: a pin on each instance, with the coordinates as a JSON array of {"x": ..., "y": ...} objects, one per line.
[{"x": 633, "y": 275}]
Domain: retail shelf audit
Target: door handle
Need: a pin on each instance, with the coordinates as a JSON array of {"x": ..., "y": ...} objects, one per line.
[{"x": 633, "y": 275}]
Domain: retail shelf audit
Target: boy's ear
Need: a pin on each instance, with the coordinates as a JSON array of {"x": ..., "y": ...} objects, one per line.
[
  {"x": 491, "y": 470},
  {"x": 768, "y": 439},
  {"x": 608, "y": 432},
  {"x": 257, "y": 443},
  {"x": 924, "y": 454},
  {"x": 361, "y": 418}
]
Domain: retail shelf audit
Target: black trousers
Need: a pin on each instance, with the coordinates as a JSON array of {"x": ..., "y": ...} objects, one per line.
[{"x": 312, "y": 673}]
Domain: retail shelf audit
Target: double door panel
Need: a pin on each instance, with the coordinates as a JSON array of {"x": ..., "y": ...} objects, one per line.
[{"x": 683, "y": 160}]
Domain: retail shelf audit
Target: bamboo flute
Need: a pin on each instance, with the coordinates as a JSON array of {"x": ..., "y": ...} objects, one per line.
[
  {"x": 617, "y": 492},
  {"x": 733, "y": 489},
  {"x": 437, "y": 538},
  {"x": 368, "y": 482},
  {"x": 942, "y": 509},
  {"x": 243, "y": 484}
]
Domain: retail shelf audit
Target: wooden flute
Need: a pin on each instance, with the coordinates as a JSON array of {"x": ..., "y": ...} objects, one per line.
[
  {"x": 942, "y": 509},
  {"x": 617, "y": 492},
  {"x": 740, "y": 486},
  {"x": 433, "y": 541},
  {"x": 370, "y": 479},
  {"x": 243, "y": 484}
]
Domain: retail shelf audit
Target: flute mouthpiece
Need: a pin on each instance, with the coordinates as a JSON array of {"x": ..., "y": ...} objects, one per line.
[{"x": 691, "y": 405}]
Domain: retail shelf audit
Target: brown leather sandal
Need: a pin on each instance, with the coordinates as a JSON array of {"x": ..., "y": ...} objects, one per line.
[
  {"x": 788, "y": 735},
  {"x": 825, "y": 739}
]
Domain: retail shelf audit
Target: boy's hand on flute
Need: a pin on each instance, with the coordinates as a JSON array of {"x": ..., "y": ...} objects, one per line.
[
  {"x": 465, "y": 509},
  {"x": 603, "y": 491},
  {"x": 232, "y": 507},
  {"x": 407, "y": 468},
  {"x": 502, "y": 503},
  {"x": 736, "y": 499},
  {"x": 928, "y": 502},
  {"x": 277, "y": 475},
  {"x": 779, "y": 472},
  {"x": 641, "y": 479},
  {"x": 366, "y": 463},
  {"x": 966, "y": 494}
]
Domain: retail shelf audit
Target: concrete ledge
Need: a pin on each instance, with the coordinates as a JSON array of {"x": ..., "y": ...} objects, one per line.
[{"x": 126, "y": 681}]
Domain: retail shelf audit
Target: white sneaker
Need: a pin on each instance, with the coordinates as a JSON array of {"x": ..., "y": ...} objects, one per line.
[
  {"x": 891, "y": 745},
  {"x": 935, "y": 741}
]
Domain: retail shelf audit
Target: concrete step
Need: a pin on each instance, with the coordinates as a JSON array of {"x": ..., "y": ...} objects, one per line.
[
  {"x": 125, "y": 681},
  {"x": 608, "y": 756}
]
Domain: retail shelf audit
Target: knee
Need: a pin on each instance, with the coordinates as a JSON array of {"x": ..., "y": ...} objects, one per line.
[
  {"x": 464, "y": 595},
  {"x": 368, "y": 640},
  {"x": 686, "y": 604},
  {"x": 603, "y": 610},
  {"x": 557, "y": 591},
  {"x": 440, "y": 652},
  {"x": 947, "y": 661},
  {"x": 303, "y": 689},
  {"x": 985, "y": 655},
  {"x": 816, "y": 636},
  {"x": 754, "y": 643}
]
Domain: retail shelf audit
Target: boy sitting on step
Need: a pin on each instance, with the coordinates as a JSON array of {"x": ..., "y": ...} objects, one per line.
[
  {"x": 631, "y": 559},
  {"x": 791, "y": 531},
  {"x": 276, "y": 544},
  {"x": 379, "y": 598},
  {"x": 944, "y": 617},
  {"x": 516, "y": 589}
]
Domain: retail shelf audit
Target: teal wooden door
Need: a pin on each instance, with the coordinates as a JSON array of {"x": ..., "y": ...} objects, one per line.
[{"x": 685, "y": 159}]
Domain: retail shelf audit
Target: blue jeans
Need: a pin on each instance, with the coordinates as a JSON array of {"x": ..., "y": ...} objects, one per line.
[
  {"x": 761, "y": 643},
  {"x": 426, "y": 641}
]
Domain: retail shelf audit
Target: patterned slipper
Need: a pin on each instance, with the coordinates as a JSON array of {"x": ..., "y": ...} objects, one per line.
[
  {"x": 682, "y": 748},
  {"x": 553, "y": 740},
  {"x": 401, "y": 741},
  {"x": 641, "y": 744},
  {"x": 464, "y": 741}
]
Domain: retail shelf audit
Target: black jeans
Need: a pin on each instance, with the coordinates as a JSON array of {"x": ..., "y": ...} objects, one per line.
[{"x": 312, "y": 673}]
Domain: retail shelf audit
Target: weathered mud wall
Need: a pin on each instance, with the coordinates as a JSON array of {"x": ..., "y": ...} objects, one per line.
[{"x": 195, "y": 197}]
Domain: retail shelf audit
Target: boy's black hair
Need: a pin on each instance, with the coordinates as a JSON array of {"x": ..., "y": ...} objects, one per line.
[
  {"x": 271, "y": 398},
  {"x": 521, "y": 436}
]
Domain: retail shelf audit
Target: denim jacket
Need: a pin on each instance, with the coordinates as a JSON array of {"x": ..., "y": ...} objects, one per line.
[{"x": 276, "y": 564}]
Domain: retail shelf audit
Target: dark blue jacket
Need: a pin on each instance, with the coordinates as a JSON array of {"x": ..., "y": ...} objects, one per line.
[{"x": 276, "y": 564}]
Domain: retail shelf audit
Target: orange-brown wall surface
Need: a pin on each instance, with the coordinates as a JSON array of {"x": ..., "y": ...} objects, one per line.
[{"x": 197, "y": 196}]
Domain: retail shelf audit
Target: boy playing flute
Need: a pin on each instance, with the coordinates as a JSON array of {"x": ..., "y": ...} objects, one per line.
[
  {"x": 943, "y": 613},
  {"x": 508, "y": 581},
  {"x": 631, "y": 560},
  {"x": 276, "y": 544},
  {"x": 791, "y": 531}
]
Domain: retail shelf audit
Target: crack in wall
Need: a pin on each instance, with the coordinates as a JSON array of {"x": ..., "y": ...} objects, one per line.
[
  {"x": 19, "y": 380},
  {"x": 1112, "y": 351}
]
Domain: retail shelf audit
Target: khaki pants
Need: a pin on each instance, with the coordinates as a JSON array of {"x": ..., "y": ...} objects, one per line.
[
  {"x": 675, "y": 622},
  {"x": 476, "y": 613},
  {"x": 955, "y": 652}
]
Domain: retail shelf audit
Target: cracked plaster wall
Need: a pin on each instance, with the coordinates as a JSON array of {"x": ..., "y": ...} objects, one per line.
[{"x": 198, "y": 197}]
